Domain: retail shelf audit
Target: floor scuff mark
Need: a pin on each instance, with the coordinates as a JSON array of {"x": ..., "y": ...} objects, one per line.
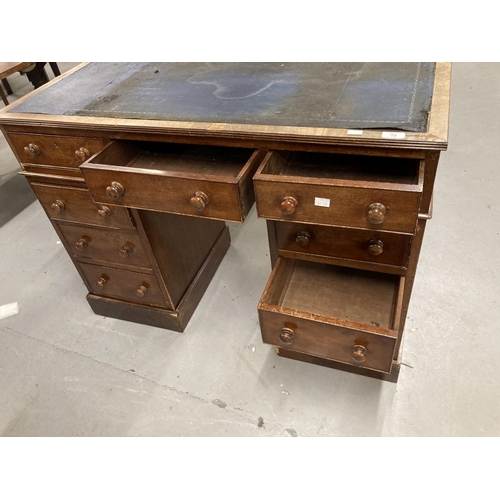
[
  {"x": 219, "y": 403},
  {"x": 249, "y": 366}
]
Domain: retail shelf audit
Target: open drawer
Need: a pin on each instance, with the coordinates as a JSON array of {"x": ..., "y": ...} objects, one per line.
[
  {"x": 337, "y": 313},
  {"x": 201, "y": 181},
  {"x": 340, "y": 190}
]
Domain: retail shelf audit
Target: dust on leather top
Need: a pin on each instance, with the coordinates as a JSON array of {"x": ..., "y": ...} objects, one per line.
[{"x": 325, "y": 95}]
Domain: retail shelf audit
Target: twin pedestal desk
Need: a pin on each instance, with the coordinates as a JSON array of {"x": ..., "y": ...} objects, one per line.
[{"x": 139, "y": 165}]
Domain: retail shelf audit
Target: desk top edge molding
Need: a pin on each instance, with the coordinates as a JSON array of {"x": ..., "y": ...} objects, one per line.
[{"x": 436, "y": 137}]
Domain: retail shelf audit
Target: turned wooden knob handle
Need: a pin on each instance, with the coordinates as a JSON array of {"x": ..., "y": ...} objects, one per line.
[
  {"x": 101, "y": 282},
  {"x": 199, "y": 201},
  {"x": 288, "y": 205},
  {"x": 376, "y": 213},
  {"x": 141, "y": 291},
  {"x": 303, "y": 238},
  {"x": 32, "y": 150},
  {"x": 375, "y": 247},
  {"x": 81, "y": 244},
  {"x": 286, "y": 336},
  {"x": 104, "y": 212},
  {"x": 82, "y": 154},
  {"x": 114, "y": 191},
  {"x": 358, "y": 353},
  {"x": 58, "y": 206},
  {"x": 125, "y": 251}
]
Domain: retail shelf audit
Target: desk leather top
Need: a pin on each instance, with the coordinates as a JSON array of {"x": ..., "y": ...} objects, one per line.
[{"x": 330, "y": 95}]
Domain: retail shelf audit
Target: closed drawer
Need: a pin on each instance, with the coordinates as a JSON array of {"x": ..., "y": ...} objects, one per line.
[
  {"x": 201, "y": 181},
  {"x": 338, "y": 313},
  {"x": 63, "y": 151},
  {"x": 379, "y": 247},
  {"x": 90, "y": 243},
  {"x": 76, "y": 205},
  {"x": 342, "y": 190},
  {"x": 117, "y": 283}
]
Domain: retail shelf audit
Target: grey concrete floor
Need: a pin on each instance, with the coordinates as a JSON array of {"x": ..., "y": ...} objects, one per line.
[{"x": 67, "y": 372}]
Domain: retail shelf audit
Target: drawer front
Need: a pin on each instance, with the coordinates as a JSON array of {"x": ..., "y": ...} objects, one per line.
[
  {"x": 76, "y": 205},
  {"x": 215, "y": 200},
  {"x": 357, "y": 348},
  {"x": 64, "y": 151},
  {"x": 201, "y": 181},
  {"x": 105, "y": 245},
  {"x": 343, "y": 243},
  {"x": 357, "y": 207},
  {"x": 117, "y": 283},
  {"x": 333, "y": 312},
  {"x": 63, "y": 173}
]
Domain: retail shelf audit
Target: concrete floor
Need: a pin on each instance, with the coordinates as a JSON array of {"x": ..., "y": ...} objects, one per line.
[{"x": 67, "y": 372}]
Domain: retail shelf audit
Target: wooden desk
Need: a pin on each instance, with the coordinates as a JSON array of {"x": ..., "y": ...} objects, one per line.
[{"x": 138, "y": 166}]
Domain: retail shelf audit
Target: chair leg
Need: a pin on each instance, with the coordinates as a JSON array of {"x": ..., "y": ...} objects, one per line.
[
  {"x": 7, "y": 86},
  {"x": 55, "y": 69},
  {"x": 3, "y": 96}
]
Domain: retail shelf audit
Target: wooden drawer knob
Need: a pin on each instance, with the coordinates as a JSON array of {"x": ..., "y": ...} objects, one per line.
[
  {"x": 81, "y": 244},
  {"x": 32, "y": 150},
  {"x": 359, "y": 353},
  {"x": 101, "y": 282},
  {"x": 114, "y": 191},
  {"x": 376, "y": 213},
  {"x": 286, "y": 336},
  {"x": 303, "y": 238},
  {"x": 58, "y": 206},
  {"x": 104, "y": 212},
  {"x": 199, "y": 201},
  {"x": 125, "y": 251},
  {"x": 141, "y": 291},
  {"x": 288, "y": 205},
  {"x": 82, "y": 154},
  {"x": 375, "y": 247}
]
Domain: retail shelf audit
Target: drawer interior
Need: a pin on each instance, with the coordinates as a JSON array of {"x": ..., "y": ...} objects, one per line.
[
  {"x": 345, "y": 294},
  {"x": 344, "y": 167},
  {"x": 186, "y": 159}
]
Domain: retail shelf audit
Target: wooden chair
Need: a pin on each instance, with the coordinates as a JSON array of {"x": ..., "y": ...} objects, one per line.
[{"x": 34, "y": 71}]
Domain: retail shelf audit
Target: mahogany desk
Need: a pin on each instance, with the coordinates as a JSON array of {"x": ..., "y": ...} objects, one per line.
[{"x": 139, "y": 165}]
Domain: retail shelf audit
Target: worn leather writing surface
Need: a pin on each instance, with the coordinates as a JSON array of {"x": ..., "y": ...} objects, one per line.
[{"x": 331, "y": 95}]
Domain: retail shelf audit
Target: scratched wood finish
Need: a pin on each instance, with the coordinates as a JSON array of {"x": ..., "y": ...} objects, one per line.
[
  {"x": 306, "y": 241},
  {"x": 335, "y": 365},
  {"x": 63, "y": 174},
  {"x": 331, "y": 311},
  {"x": 348, "y": 198},
  {"x": 144, "y": 314},
  {"x": 168, "y": 183},
  {"x": 213, "y": 140},
  {"x": 120, "y": 247},
  {"x": 76, "y": 205},
  {"x": 54, "y": 149}
]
